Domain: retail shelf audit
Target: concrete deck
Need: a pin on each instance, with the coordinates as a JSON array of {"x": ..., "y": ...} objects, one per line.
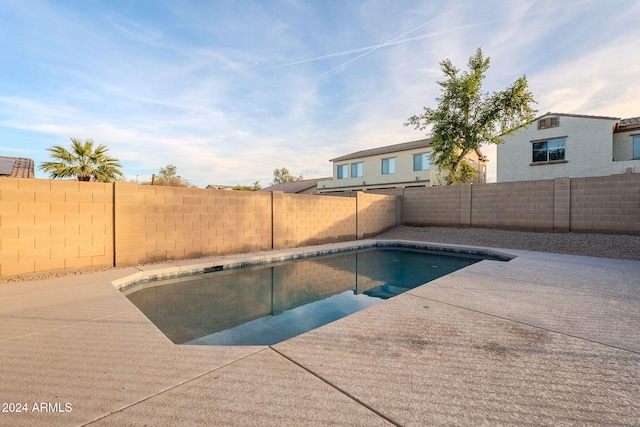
[{"x": 543, "y": 340}]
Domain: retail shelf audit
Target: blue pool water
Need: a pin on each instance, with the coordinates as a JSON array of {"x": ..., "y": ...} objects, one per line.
[{"x": 266, "y": 304}]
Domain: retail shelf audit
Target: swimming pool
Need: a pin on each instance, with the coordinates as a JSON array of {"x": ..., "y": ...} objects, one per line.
[{"x": 268, "y": 303}]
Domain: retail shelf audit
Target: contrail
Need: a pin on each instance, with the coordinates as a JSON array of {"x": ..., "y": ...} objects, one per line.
[
  {"x": 397, "y": 40},
  {"x": 369, "y": 49}
]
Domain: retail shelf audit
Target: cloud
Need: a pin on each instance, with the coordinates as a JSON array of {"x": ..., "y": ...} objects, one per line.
[{"x": 228, "y": 91}]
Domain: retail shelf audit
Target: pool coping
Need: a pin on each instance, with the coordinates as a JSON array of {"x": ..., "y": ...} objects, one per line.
[{"x": 167, "y": 270}]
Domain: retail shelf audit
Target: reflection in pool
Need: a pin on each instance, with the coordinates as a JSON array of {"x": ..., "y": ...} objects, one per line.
[{"x": 266, "y": 304}]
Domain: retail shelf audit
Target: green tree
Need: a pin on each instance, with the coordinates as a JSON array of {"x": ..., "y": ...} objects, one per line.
[
  {"x": 255, "y": 187},
  {"x": 466, "y": 118},
  {"x": 283, "y": 175},
  {"x": 168, "y": 176},
  {"x": 82, "y": 161}
]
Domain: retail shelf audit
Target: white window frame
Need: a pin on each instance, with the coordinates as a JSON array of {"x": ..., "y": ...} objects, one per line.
[
  {"x": 423, "y": 157},
  {"x": 391, "y": 165},
  {"x": 345, "y": 169},
  {"x": 359, "y": 170}
]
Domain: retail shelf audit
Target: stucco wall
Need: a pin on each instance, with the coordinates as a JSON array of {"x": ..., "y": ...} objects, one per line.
[
  {"x": 372, "y": 171},
  {"x": 589, "y": 150},
  {"x": 623, "y": 151}
]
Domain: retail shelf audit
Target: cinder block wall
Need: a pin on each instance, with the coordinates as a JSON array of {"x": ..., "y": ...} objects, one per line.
[
  {"x": 376, "y": 213},
  {"x": 608, "y": 204},
  {"x": 524, "y": 205},
  {"x": 54, "y": 226},
  {"x": 155, "y": 223},
  {"x": 62, "y": 226},
  {"x": 305, "y": 219},
  {"x": 424, "y": 206}
]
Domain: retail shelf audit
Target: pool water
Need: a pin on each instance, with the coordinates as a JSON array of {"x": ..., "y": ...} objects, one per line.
[{"x": 270, "y": 303}]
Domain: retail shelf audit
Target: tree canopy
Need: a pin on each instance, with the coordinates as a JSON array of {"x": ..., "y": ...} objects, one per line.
[
  {"x": 82, "y": 161},
  {"x": 255, "y": 187},
  {"x": 168, "y": 176},
  {"x": 466, "y": 117},
  {"x": 283, "y": 175}
]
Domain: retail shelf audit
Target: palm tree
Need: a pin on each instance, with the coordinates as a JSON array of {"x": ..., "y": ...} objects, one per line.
[{"x": 82, "y": 161}]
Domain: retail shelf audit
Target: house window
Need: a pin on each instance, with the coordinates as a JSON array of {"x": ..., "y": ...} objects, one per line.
[
  {"x": 549, "y": 122},
  {"x": 388, "y": 166},
  {"x": 636, "y": 147},
  {"x": 356, "y": 170},
  {"x": 549, "y": 151},
  {"x": 421, "y": 162},
  {"x": 343, "y": 171}
]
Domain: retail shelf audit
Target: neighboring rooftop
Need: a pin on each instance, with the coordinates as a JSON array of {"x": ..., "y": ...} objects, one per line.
[
  {"x": 17, "y": 167},
  {"x": 295, "y": 186},
  {"x": 386, "y": 149},
  {"x": 625, "y": 125},
  {"x": 218, "y": 187},
  {"x": 584, "y": 116}
]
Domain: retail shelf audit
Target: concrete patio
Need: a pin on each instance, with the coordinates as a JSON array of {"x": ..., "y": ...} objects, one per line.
[{"x": 541, "y": 340}]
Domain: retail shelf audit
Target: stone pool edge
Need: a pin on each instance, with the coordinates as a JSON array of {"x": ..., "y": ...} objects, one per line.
[{"x": 166, "y": 270}]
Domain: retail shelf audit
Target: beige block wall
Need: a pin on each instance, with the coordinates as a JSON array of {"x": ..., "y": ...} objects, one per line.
[
  {"x": 54, "y": 226},
  {"x": 424, "y": 206},
  {"x": 608, "y": 204},
  {"x": 155, "y": 223},
  {"x": 376, "y": 213},
  {"x": 301, "y": 219},
  {"x": 62, "y": 226},
  {"x": 524, "y": 205}
]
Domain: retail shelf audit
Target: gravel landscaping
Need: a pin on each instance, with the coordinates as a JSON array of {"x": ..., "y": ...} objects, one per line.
[{"x": 597, "y": 245}]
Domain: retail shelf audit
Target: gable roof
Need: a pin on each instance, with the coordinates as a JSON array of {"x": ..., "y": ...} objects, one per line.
[
  {"x": 386, "y": 149},
  {"x": 294, "y": 186},
  {"x": 582, "y": 116},
  {"x": 626, "y": 125},
  {"x": 17, "y": 167}
]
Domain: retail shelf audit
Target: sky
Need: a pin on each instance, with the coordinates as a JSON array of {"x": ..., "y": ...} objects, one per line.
[{"x": 227, "y": 91}]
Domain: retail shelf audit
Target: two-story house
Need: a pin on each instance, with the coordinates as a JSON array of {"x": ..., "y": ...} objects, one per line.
[
  {"x": 570, "y": 145},
  {"x": 400, "y": 165}
]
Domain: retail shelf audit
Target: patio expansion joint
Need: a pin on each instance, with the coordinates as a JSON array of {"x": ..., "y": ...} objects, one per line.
[
  {"x": 541, "y": 283},
  {"x": 525, "y": 324},
  {"x": 173, "y": 387},
  {"x": 340, "y": 390},
  {"x": 44, "y": 331}
]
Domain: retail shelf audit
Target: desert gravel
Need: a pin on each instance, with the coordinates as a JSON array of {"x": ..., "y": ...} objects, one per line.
[{"x": 597, "y": 245}]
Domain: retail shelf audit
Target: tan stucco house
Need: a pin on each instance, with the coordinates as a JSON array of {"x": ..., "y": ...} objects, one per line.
[
  {"x": 400, "y": 165},
  {"x": 558, "y": 145}
]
